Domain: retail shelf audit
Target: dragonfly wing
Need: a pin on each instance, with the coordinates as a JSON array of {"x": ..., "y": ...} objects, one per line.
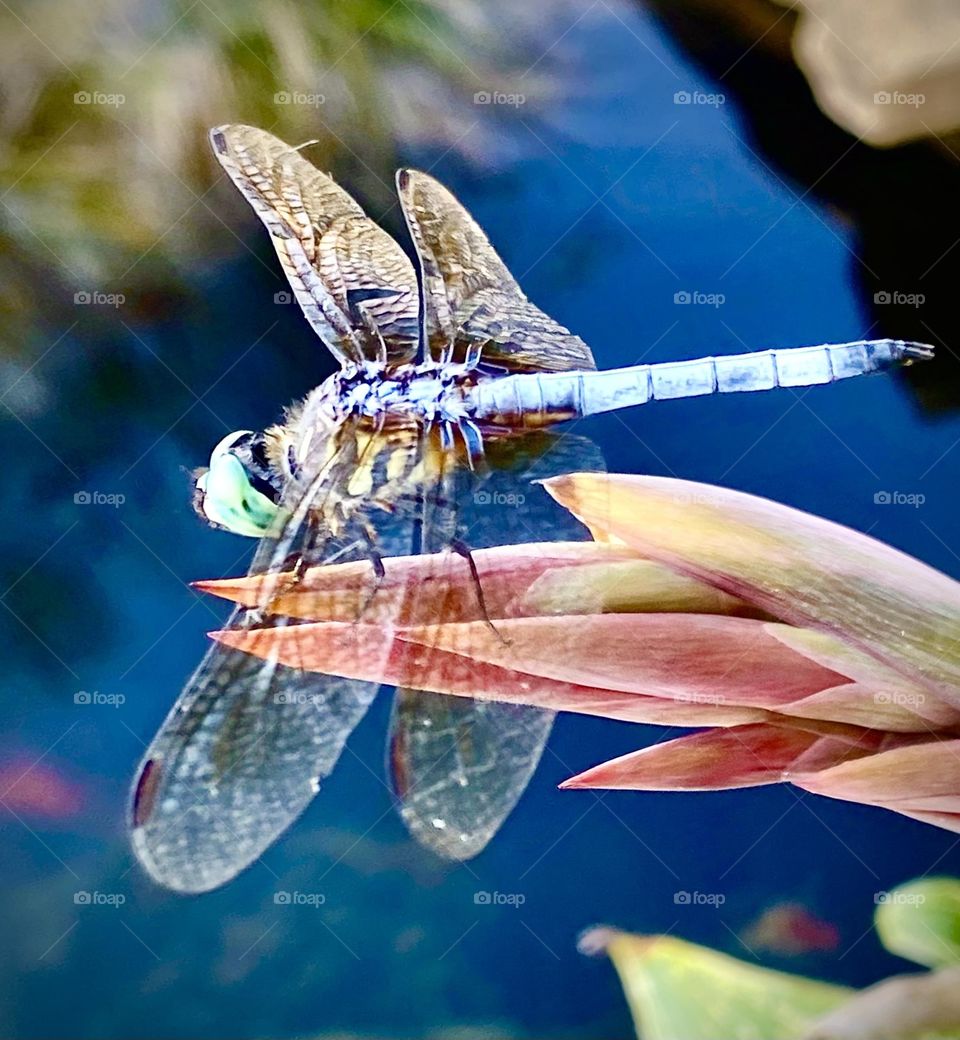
[
  {"x": 235, "y": 763},
  {"x": 460, "y": 766},
  {"x": 354, "y": 283},
  {"x": 244, "y": 749},
  {"x": 471, "y": 298}
]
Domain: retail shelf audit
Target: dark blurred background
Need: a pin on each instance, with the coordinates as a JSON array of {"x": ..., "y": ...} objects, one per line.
[{"x": 797, "y": 168}]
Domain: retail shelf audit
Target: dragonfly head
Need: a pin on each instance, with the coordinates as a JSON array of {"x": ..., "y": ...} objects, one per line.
[{"x": 240, "y": 490}]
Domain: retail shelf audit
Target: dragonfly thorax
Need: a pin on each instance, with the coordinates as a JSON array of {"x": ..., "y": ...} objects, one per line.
[{"x": 431, "y": 392}]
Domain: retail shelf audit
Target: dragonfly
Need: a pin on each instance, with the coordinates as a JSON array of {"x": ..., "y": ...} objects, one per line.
[{"x": 453, "y": 390}]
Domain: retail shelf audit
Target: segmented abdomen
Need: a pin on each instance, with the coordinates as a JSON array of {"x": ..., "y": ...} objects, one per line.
[{"x": 537, "y": 399}]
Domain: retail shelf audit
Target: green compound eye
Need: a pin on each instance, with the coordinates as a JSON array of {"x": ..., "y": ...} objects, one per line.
[{"x": 230, "y": 500}]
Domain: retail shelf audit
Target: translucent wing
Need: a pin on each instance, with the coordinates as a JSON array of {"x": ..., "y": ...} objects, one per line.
[
  {"x": 235, "y": 763},
  {"x": 471, "y": 299},
  {"x": 460, "y": 766},
  {"x": 355, "y": 285},
  {"x": 243, "y": 750}
]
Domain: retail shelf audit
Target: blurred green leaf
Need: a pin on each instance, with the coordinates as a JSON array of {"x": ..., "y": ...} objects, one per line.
[
  {"x": 680, "y": 991},
  {"x": 921, "y": 921},
  {"x": 103, "y": 148}
]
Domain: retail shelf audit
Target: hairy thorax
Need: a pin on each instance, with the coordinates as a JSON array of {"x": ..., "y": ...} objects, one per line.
[{"x": 431, "y": 392}]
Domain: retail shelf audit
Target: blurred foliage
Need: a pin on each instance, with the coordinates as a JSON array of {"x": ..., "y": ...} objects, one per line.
[
  {"x": 106, "y": 107},
  {"x": 921, "y": 921},
  {"x": 110, "y": 187},
  {"x": 680, "y": 991}
]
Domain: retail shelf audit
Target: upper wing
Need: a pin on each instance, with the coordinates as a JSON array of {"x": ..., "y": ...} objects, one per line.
[
  {"x": 243, "y": 750},
  {"x": 470, "y": 298},
  {"x": 355, "y": 284}
]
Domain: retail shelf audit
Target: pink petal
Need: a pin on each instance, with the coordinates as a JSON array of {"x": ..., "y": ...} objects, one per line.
[
  {"x": 419, "y": 589},
  {"x": 797, "y": 567},
  {"x": 896, "y": 711},
  {"x": 369, "y": 653},
  {"x": 516, "y": 581},
  {"x": 920, "y": 775},
  {"x": 879, "y": 697},
  {"x": 706, "y": 659},
  {"x": 744, "y": 756}
]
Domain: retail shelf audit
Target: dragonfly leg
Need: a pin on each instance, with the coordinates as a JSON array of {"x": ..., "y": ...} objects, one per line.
[
  {"x": 472, "y": 441},
  {"x": 376, "y": 562},
  {"x": 462, "y": 549},
  {"x": 295, "y": 567},
  {"x": 446, "y": 355},
  {"x": 447, "y": 439},
  {"x": 474, "y": 352}
]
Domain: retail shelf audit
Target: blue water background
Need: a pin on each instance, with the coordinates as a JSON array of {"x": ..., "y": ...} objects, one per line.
[{"x": 400, "y": 945}]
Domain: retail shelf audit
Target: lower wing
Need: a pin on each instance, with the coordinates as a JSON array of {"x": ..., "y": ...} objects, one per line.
[
  {"x": 235, "y": 763},
  {"x": 458, "y": 767}
]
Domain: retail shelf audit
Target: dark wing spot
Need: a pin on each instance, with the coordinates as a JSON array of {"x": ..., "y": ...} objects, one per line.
[
  {"x": 146, "y": 791},
  {"x": 397, "y": 755}
]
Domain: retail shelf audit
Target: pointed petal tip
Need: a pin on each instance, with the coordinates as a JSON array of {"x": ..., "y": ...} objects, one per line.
[
  {"x": 226, "y": 588},
  {"x": 559, "y": 486},
  {"x": 595, "y": 940}
]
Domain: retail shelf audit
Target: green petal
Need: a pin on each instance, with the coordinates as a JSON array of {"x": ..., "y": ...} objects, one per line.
[
  {"x": 921, "y": 921},
  {"x": 680, "y": 991}
]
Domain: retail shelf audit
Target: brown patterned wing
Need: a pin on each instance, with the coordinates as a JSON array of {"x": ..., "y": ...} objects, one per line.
[
  {"x": 355, "y": 285},
  {"x": 471, "y": 299}
]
